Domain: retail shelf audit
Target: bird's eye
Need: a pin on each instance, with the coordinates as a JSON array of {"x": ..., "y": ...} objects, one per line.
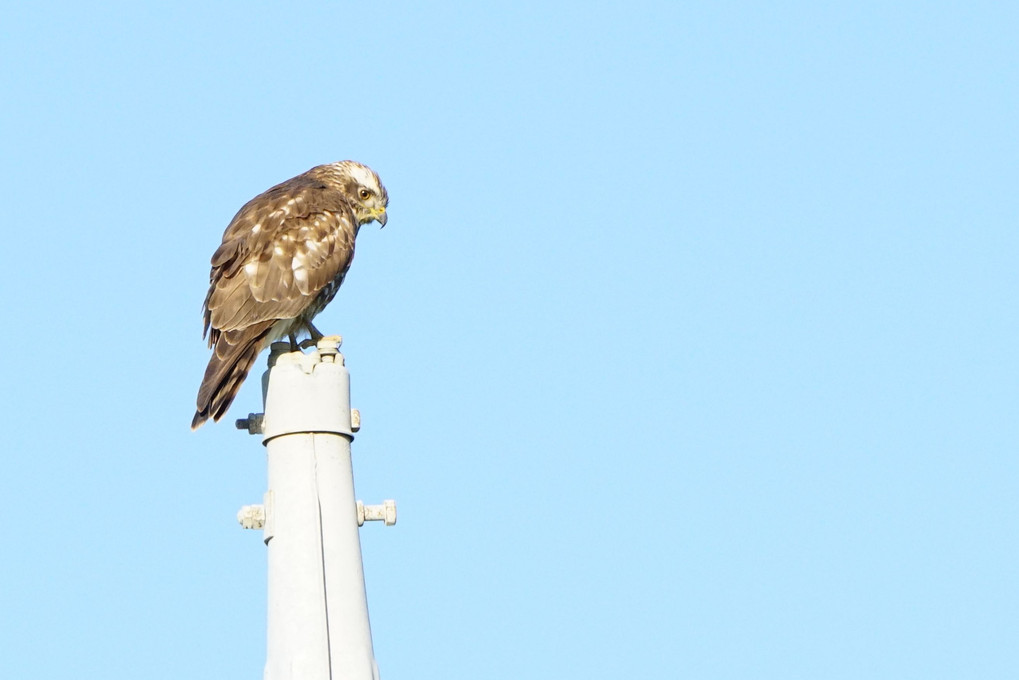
[{"x": 364, "y": 194}]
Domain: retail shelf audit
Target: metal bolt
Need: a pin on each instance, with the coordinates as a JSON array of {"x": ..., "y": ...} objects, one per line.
[
  {"x": 253, "y": 423},
  {"x": 385, "y": 512},
  {"x": 252, "y": 516}
]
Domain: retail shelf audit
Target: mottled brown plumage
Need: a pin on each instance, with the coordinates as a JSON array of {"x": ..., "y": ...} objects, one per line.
[{"x": 283, "y": 257}]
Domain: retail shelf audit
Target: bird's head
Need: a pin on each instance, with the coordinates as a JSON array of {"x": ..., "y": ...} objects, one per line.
[{"x": 367, "y": 196}]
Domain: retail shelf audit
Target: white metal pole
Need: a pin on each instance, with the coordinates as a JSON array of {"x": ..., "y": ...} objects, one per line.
[{"x": 318, "y": 626}]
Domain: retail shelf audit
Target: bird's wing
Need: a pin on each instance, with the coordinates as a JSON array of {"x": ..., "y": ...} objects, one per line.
[{"x": 278, "y": 252}]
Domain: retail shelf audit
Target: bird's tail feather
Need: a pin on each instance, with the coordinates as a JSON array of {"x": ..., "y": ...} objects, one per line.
[{"x": 232, "y": 357}]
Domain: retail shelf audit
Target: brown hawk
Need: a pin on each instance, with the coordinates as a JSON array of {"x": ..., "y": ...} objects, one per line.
[{"x": 283, "y": 257}]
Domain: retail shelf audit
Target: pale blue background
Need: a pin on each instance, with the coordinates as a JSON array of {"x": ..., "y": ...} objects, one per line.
[{"x": 689, "y": 350}]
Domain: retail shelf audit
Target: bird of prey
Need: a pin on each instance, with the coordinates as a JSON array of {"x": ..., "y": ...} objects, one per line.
[{"x": 283, "y": 257}]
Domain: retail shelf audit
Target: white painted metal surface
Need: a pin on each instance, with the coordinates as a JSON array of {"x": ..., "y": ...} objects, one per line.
[{"x": 318, "y": 625}]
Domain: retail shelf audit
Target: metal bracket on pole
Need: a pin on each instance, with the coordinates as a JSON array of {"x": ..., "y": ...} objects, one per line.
[
  {"x": 253, "y": 423},
  {"x": 254, "y": 516}
]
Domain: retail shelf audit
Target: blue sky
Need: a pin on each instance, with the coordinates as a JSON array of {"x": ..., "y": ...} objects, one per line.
[{"x": 689, "y": 349}]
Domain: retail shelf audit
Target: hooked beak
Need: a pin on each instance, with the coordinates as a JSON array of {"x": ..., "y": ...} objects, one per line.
[{"x": 382, "y": 218}]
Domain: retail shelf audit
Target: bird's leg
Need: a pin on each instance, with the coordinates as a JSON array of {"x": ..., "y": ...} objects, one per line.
[
  {"x": 293, "y": 342},
  {"x": 315, "y": 334}
]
